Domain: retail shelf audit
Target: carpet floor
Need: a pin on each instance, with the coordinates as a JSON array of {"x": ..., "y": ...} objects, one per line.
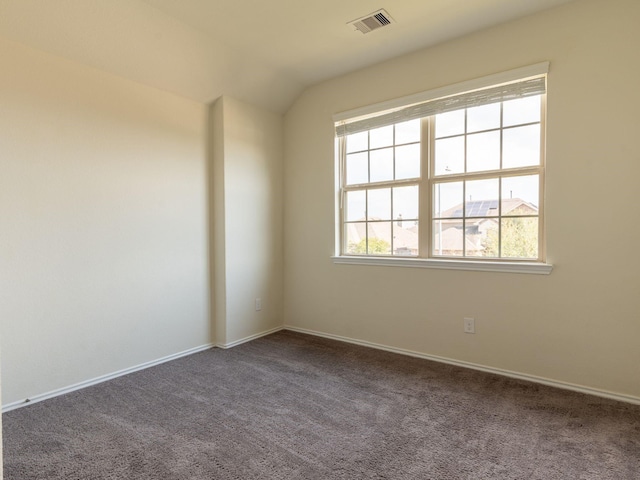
[{"x": 293, "y": 406}]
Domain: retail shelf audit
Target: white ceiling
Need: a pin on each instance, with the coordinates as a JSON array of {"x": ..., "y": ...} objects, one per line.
[{"x": 261, "y": 51}]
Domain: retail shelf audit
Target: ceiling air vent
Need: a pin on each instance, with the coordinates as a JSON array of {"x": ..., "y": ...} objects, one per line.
[{"x": 373, "y": 21}]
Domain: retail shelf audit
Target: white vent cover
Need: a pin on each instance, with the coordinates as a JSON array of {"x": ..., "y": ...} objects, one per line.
[{"x": 373, "y": 21}]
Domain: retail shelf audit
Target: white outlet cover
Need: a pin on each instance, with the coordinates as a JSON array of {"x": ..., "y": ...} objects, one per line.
[{"x": 469, "y": 325}]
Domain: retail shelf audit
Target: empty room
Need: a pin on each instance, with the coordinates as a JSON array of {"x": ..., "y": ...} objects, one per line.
[{"x": 319, "y": 239}]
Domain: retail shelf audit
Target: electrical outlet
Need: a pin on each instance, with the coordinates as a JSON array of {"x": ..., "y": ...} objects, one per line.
[
  {"x": 469, "y": 325},
  {"x": 258, "y": 304}
]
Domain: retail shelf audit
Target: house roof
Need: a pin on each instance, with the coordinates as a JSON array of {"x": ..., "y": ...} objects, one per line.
[
  {"x": 452, "y": 241},
  {"x": 489, "y": 208},
  {"x": 407, "y": 238},
  {"x": 402, "y": 237}
]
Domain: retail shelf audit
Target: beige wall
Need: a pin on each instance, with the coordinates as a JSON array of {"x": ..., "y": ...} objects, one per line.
[
  {"x": 103, "y": 202},
  {"x": 216, "y": 221},
  {"x": 579, "y": 325},
  {"x": 248, "y": 230}
]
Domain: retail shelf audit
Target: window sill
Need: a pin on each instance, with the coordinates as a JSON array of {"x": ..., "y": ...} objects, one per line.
[{"x": 469, "y": 265}]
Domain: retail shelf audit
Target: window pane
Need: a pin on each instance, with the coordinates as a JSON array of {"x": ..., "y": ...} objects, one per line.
[
  {"x": 407, "y": 132},
  {"x": 450, "y": 123},
  {"x": 447, "y": 237},
  {"x": 405, "y": 203},
  {"x": 488, "y": 238},
  {"x": 356, "y": 237},
  {"x": 449, "y": 156},
  {"x": 482, "y": 198},
  {"x": 521, "y": 146},
  {"x": 447, "y": 200},
  {"x": 519, "y": 238},
  {"x": 381, "y": 165},
  {"x": 476, "y": 231},
  {"x": 523, "y": 110},
  {"x": 485, "y": 117},
  {"x": 379, "y": 241},
  {"x": 520, "y": 195},
  {"x": 381, "y": 137},
  {"x": 408, "y": 161},
  {"x": 405, "y": 238},
  {"x": 483, "y": 151},
  {"x": 356, "y": 205},
  {"x": 379, "y": 204},
  {"x": 357, "y": 142},
  {"x": 357, "y": 168}
]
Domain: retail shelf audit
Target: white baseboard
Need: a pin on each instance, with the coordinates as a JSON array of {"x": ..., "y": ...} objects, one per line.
[
  {"x": 507, "y": 373},
  {"x": 103, "y": 378},
  {"x": 249, "y": 338}
]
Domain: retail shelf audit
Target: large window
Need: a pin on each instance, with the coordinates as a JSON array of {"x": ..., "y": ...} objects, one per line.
[{"x": 459, "y": 176}]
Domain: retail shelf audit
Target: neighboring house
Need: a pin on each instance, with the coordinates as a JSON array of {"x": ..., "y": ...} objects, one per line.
[
  {"x": 452, "y": 244},
  {"x": 481, "y": 217},
  {"x": 402, "y": 236}
]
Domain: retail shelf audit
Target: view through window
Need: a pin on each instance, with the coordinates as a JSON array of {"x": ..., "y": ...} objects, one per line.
[{"x": 464, "y": 183}]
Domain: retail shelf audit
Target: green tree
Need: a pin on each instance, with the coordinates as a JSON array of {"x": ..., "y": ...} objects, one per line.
[
  {"x": 376, "y": 246},
  {"x": 519, "y": 239}
]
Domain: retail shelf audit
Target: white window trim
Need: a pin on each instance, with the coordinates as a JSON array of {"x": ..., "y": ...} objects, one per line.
[
  {"x": 447, "y": 264},
  {"x": 521, "y": 267}
]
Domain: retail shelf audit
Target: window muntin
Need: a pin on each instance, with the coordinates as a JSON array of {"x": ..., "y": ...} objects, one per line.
[{"x": 478, "y": 172}]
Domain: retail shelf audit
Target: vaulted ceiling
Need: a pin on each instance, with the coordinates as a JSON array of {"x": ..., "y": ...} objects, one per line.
[{"x": 261, "y": 51}]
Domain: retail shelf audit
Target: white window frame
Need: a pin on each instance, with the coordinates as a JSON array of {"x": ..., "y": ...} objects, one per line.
[{"x": 389, "y": 109}]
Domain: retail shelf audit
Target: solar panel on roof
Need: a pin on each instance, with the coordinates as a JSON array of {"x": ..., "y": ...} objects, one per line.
[{"x": 480, "y": 208}]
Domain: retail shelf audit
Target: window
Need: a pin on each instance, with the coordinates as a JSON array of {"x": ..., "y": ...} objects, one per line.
[
  {"x": 458, "y": 176},
  {"x": 382, "y": 172}
]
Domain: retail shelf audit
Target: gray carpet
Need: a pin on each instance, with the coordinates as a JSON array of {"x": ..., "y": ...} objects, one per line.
[{"x": 291, "y": 406}]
